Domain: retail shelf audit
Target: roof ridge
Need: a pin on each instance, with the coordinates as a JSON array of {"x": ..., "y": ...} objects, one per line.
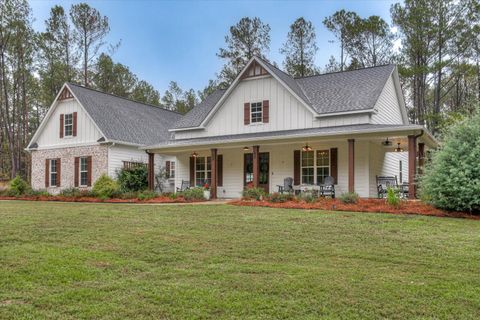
[
  {"x": 344, "y": 71},
  {"x": 116, "y": 96}
]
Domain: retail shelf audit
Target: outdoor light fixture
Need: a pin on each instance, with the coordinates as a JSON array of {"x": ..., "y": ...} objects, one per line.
[
  {"x": 306, "y": 148},
  {"x": 194, "y": 154},
  {"x": 387, "y": 143},
  {"x": 398, "y": 149},
  {"x": 245, "y": 149}
]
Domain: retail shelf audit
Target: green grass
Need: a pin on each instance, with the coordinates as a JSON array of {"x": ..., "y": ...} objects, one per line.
[{"x": 67, "y": 261}]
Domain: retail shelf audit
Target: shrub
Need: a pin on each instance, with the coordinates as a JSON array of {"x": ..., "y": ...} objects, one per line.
[
  {"x": 349, "y": 197},
  {"x": 71, "y": 192},
  {"x": 393, "y": 197},
  {"x": 254, "y": 193},
  {"x": 452, "y": 178},
  {"x": 280, "y": 198},
  {"x": 38, "y": 193},
  {"x": 307, "y": 197},
  {"x": 192, "y": 194},
  {"x": 133, "y": 179},
  {"x": 18, "y": 187},
  {"x": 147, "y": 195},
  {"x": 105, "y": 187}
]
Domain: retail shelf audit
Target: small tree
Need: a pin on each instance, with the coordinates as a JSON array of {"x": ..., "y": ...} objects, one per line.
[
  {"x": 133, "y": 179},
  {"x": 452, "y": 179}
]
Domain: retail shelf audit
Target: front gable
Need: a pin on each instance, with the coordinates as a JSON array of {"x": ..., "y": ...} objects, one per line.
[{"x": 65, "y": 124}]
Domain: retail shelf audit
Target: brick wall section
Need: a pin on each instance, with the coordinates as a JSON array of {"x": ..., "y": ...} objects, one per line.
[{"x": 99, "y": 155}]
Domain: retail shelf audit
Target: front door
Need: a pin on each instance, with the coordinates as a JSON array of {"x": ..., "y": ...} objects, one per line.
[{"x": 264, "y": 170}]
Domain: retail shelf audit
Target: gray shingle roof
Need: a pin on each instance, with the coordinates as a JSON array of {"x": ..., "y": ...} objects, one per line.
[
  {"x": 354, "y": 90},
  {"x": 125, "y": 120}
]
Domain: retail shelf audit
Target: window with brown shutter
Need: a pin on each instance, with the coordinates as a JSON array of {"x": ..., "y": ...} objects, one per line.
[
  {"x": 334, "y": 164},
  {"x": 266, "y": 107},
  {"x": 220, "y": 170},
  {"x": 74, "y": 131},
  {"x": 47, "y": 173},
  {"x": 296, "y": 167},
  {"x": 59, "y": 172},
  {"x": 89, "y": 171},
  {"x": 192, "y": 171},
  {"x": 77, "y": 171},
  {"x": 61, "y": 126},
  {"x": 246, "y": 113},
  {"x": 167, "y": 168}
]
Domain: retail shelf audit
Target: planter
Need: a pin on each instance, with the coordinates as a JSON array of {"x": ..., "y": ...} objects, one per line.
[{"x": 206, "y": 194}]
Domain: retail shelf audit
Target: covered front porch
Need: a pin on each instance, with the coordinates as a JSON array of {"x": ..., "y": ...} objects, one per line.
[{"x": 354, "y": 159}]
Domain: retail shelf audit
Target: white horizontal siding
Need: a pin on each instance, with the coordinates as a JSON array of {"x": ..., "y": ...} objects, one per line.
[
  {"x": 387, "y": 106},
  {"x": 87, "y": 132}
]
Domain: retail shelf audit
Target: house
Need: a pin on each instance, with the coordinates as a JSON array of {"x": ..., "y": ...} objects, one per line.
[
  {"x": 87, "y": 133},
  {"x": 268, "y": 126}
]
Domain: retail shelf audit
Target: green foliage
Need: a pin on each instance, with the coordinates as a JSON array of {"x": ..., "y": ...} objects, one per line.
[
  {"x": 452, "y": 178},
  {"x": 349, "y": 197},
  {"x": 307, "y": 197},
  {"x": 71, "y": 192},
  {"x": 105, "y": 187},
  {"x": 254, "y": 193},
  {"x": 280, "y": 197},
  {"x": 192, "y": 194},
  {"x": 146, "y": 195},
  {"x": 18, "y": 187},
  {"x": 393, "y": 197},
  {"x": 133, "y": 179}
]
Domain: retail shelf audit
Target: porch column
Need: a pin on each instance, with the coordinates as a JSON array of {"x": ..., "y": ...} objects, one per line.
[
  {"x": 213, "y": 184},
  {"x": 421, "y": 157},
  {"x": 412, "y": 165},
  {"x": 256, "y": 166},
  {"x": 151, "y": 173},
  {"x": 351, "y": 165}
]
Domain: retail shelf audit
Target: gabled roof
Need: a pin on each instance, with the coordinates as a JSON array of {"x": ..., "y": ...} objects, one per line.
[
  {"x": 325, "y": 94},
  {"x": 124, "y": 120}
]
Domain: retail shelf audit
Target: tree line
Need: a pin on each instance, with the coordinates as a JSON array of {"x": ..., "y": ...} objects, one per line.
[{"x": 438, "y": 59}]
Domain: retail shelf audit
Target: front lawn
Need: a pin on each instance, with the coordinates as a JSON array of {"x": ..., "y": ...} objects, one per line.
[{"x": 73, "y": 260}]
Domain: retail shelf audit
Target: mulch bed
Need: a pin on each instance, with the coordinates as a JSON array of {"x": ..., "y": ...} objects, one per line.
[
  {"x": 97, "y": 200},
  {"x": 363, "y": 205}
]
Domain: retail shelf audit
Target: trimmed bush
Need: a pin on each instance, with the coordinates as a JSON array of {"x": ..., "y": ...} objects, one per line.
[
  {"x": 452, "y": 178},
  {"x": 393, "y": 197},
  {"x": 307, "y": 197},
  {"x": 133, "y": 179},
  {"x": 349, "y": 197},
  {"x": 146, "y": 195},
  {"x": 18, "y": 187},
  {"x": 280, "y": 198},
  {"x": 254, "y": 193},
  {"x": 105, "y": 187},
  {"x": 71, "y": 192},
  {"x": 192, "y": 194}
]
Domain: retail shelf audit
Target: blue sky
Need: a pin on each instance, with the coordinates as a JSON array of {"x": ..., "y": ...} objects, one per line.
[{"x": 178, "y": 40}]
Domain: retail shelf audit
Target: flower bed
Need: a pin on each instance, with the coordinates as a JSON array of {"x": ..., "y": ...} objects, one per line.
[
  {"x": 159, "y": 199},
  {"x": 363, "y": 205}
]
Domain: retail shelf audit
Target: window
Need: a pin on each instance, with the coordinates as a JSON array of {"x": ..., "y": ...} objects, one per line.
[
  {"x": 256, "y": 112},
  {"x": 172, "y": 170},
  {"x": 203, "y": 173},
  {"x": 53, "y": 172},
  {"x": 83, "y": 172},
  {"x": 315, "y": 166},
  {"x": 68, "y": 125}
]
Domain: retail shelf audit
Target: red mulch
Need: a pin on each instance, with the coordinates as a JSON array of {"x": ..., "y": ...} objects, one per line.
[
  {"x": 160, "y": 199},
  {"x": 363, "y": 205}
]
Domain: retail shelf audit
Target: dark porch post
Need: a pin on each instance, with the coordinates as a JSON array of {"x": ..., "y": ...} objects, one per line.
[
  {"x": 421, "y": 157},
  {"x": 412, "y": 165},
  {"x": 351, "y": 165},
  {"x": 151, "y": 169},
  {"x": 213, "y": 184},
  {"x": 256, "y": 166}
]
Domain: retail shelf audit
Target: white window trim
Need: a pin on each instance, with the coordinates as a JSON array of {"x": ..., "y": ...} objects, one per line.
[
  {"x": 315, "y": 166},
  {"x": 251, "y": 113},
  {"x": 172, "y": 165},
  {"x": 51, "y": 161},
  {"x": 206, "y": 170},
  {"x": 65, "y": 135},
  {"x": 80, "y": 171}
]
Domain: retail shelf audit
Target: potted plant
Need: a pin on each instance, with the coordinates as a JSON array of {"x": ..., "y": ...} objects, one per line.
[{"x": 206, "y": 191}]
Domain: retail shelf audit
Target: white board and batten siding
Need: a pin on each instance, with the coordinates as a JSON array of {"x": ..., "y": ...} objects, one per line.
[
  {"x": 387, "y": 106},
  {"x": 87, "y": 132}
]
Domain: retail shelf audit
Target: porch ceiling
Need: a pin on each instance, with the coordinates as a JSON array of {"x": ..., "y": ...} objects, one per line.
[{"x": 363, "y": 131}]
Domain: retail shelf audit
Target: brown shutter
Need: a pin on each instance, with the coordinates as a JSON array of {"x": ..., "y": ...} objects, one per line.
[
  {"x": 296, "y": 167},
  {"x": 47, "y": 173},
  {"x": 220, "y": 170},
  {"x": 266, "y": 113},
  {"x": 74, "y": 130},
  {"x": 77, "y": 171},
  {"x": 89, "y": 171},
  {"x": 246, "y": 113},
  {"x": 59, "y": 172},
  {"x": 61, "y": 126},
  {"x": 334, "y": 164},
  {"x": 192, "y": 171},
  {"x": 167, "y": 168}
]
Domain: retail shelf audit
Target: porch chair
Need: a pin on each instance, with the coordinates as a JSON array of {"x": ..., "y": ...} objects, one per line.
[
  {"x": 327, "y": 189},
  {"x": 184, "y": 186},
  {"x": 287, "y": 186},
  {"x": 385, "y": 182}
]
